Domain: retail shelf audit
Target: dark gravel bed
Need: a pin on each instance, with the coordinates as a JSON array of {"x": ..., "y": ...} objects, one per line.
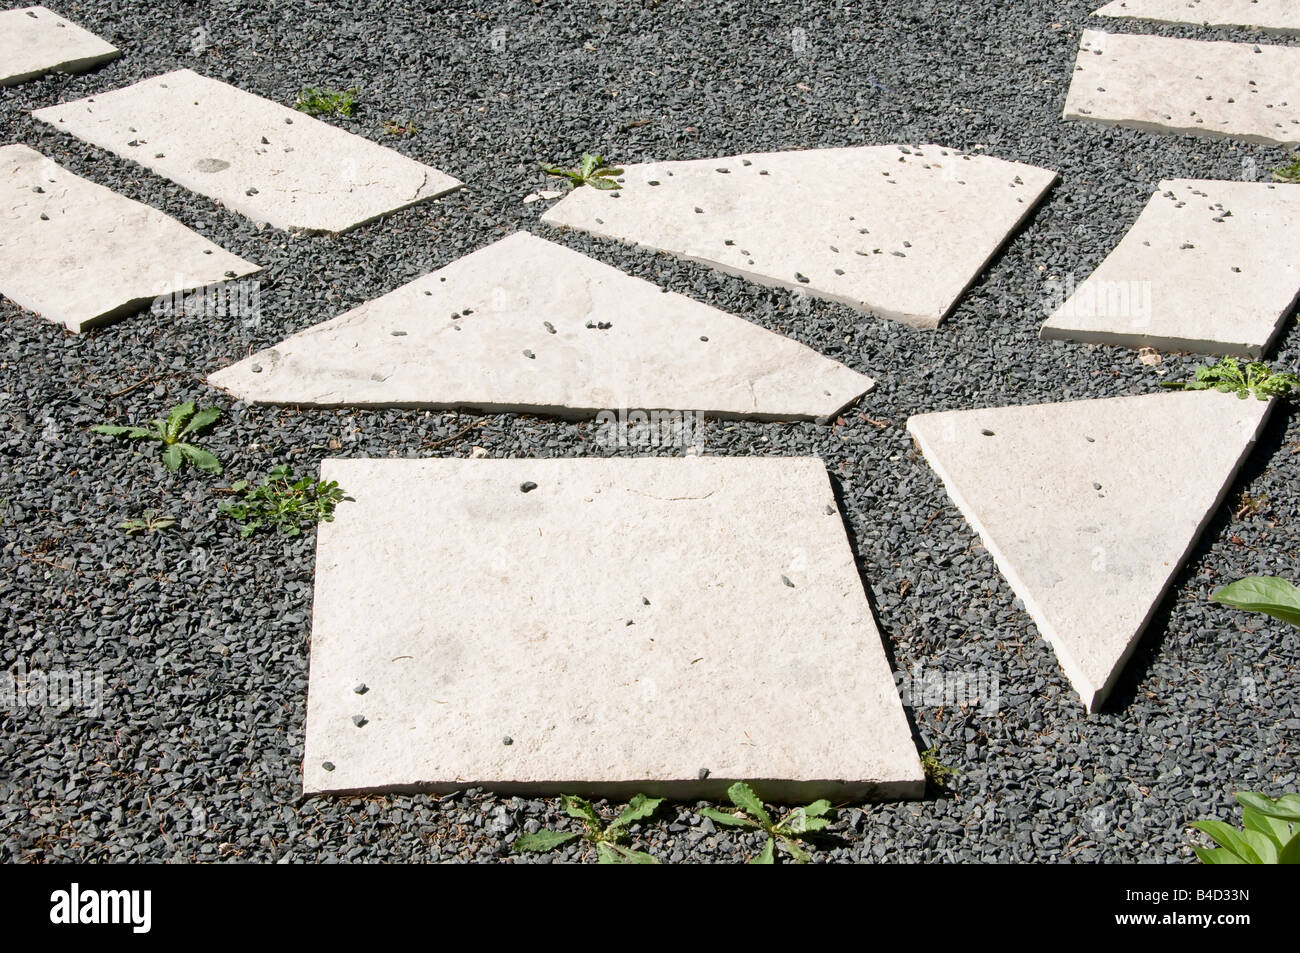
[{"x": 203, "y": 638}]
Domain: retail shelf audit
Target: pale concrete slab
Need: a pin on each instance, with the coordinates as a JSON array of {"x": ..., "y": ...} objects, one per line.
[
  {"x": 1187, "y": 87},
  {"x": 35, "y": 41},
  {"x": 627, "y": 624},
  {"x": 1273, "y": 16},
  {"x": 1208, "y": 267},
  {"x": 257, "y": 157},
  {"x": 528, "y": 325},
  {"x": 900, "y": 231},
  {"x": 80, "y": 255},
  {"x": 1090, "y": 507}
]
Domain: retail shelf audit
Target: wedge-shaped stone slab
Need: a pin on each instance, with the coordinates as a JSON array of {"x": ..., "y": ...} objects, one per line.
[
  {"x": 1275, "y": 16},
  {"x": 1188, "y": 87},
  {"x": 597, "y": 625},
  {"x": 1208, "y": 267},
  {"x": 900, "y": 231},
  {"x": 35, "y": 41},
  {"x": 528, "y": 325},
  {"x": 81, "y": 255},
  {"x": 1090, "y": 507},
  {"x": 264, "y": 160}
]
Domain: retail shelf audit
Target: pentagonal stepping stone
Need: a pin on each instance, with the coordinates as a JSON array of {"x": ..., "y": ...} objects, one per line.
[
  {"x": 81, "y": 255},
  {"x": 1274, "y": 16},
  {"x": 1188, "y": 87},
  {"x": 1208, "y": 267},
  {"x": 264, "y": 160},
  {"x": 896, "y": 230},
  {"x": 1090, "y": 507},
  {"x": 528, "y": 325},
  {"x": 597, "y": 625},
  {"x": 35, "y": 41}
]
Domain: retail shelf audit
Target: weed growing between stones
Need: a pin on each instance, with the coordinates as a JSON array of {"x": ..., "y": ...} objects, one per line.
[
  {"x": 183, "y": 421},
  {"x": 151, "y": 522},
  {"x": 592, "y": 171},
  {"x": 1289, "y": 172},
  {"x": 1271, "y": 832},
  {"x": 395, "y": 127},
  {"x": 283, "y": 503},
  {"x": 937, "y": 773},
  {"x": 788, "y": 832},
  {"x": 607, "y": 839},
  {"x": 327, "y": 102},
  {"x": 1229, "y": 377}
]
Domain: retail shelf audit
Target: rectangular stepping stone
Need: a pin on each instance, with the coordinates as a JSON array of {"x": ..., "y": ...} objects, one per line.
[
  {"x": 80, "y": 255},
  {"x": 1274, "y": 16},
  {"x": 900, "y": 231},
  {"x": 1187, "y": 87},
  {"x": 257, "y": 157},
  {"x": 528, "y": 325},
  {"x": 1090, "y": 507},
  {"x": 1208, "y": 267},
  {"x": 599, "y": 626},
  {"x": 35, "y": 41}
]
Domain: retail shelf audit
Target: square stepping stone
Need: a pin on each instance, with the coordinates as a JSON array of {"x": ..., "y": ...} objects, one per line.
[
  {"x": 900, "y": 231},
  {"x": 1274, "y": 16},
  {"x": 1090, "y": 507},
  {"x": 598, "y": 626},
  {"x": 35, "y": 41},
  {"x": 80, "y": 255},
  {"x": 1208, "y": 267},
  {"x": 1187, "y": 87},
  {"x": 528, "y": 325},
  {"x": 260, "y": 158}
]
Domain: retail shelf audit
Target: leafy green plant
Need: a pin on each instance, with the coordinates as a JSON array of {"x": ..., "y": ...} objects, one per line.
[
  {"x": 395, "y": 127},
  {"x": 327, "y": 102},
  {"x": 788, "y": 832},
  {"x": 1230, "y": 377},
  {"x": 606, "y": 838},
  {"x": 592, "y": 171},
  {"x": 1289, "y": 172},
  {"x": 1267, "y": 594},
  {"x": 936, "y": 772},
  {"x": 183, "y": 421},
  {"x": 282, "y": 502},
  {"x": 1271, "y": 832},
  {"x": 151, "y": 523}
]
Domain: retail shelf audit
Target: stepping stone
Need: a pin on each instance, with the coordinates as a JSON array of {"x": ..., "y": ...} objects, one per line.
[
  {"x": 528, "y": 325},
  {"x": 1208, "y": 267},
  {"x": 35, "y": 41},
  {"x": 1187, "y": 87},
  {"x": 895, "y": 230},
  {"x": 257, "y": 157},
  {"x": 81, "y": 255},
  {"x": 629, "y": 624},
  {"x": 1274, "y": 16},
  {"x": 1090, "y": 507}
]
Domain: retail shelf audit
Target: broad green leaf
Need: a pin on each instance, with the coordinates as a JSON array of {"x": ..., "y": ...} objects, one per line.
[
  {"x": 543, "y": 840},
  {"x": 176, "y": 419},
  {"x": 638, "y": 808},
  {"x": 204, "y": 418},
  {"x": 1267, "y": 594},
  {"x": 1229, "y": 837},
  {"x": 589, "y": 164},
  {"x": 1290, "y": 852},
  {"x": 605, "y": 185},
  {"x": 199, "y": 457},
  {"x": 1286, "y": 808},
  {"x": 1217, "y": 855},
  {"x": 582, "y": 810},
  {"x": 818, "y": 808},
  {"x": 796, "y": 850},
  {"x": 607, "y": 853},
  {"x": 606, "y": 170},
  {"x": 723, "y": 817},
  {"x": 109, "y": 431},
  {"x": 172, "y": 458},
  {"x": 1279, "y": 832},
  {"x": 766, "y": 855},
  {"x": 239, "y": 486},
  {"x": 743, "y": 796},
  {"x": 1262, "y": 845}
]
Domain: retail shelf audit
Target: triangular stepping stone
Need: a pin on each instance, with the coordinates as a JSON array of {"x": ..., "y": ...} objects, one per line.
[
  {"x": 600, "y": 626},
  {"x": 1274, "y": 16},
  {"x": 1187, "y": 87},
  {"x": 1208, "y": 267},
  {"x": 264, "y": 160},
  {"x": 528, "y": 325},
  {"x": 1089, "y": 507},
  {"x": 81, "y": 255},
  {"x": 896, "y": 230},
  {"x": 35, "y": 41}
]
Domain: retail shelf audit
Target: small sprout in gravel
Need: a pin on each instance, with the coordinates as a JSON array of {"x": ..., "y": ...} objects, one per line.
[
  {"x": 151, "y": 522},
  {"x": 788, "y": 832},
  {"x": 592, "y": 171},
  {"x": 1289, "y": 172},
  {"x": 183, "y": 421},
  {"x": 1229, "y": 377},
  {"x": 936, "y": 772},
  {"x": 283, "y": 503},
  {"x": 1266, "y": 594},
  {"x": 608, "y": 840},
  {"x": 327, "y": 102},
  {"x": 1271, "y": 833},
  {"x": 395, "y": 127}
]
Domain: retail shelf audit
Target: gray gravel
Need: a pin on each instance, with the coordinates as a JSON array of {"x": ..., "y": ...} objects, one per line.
[{"x": 202, "y": 638}]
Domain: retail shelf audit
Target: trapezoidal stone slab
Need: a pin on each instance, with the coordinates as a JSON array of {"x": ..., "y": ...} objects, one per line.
[
  {"x": 1208, "y": 267},
  {"x": 80, "y": 255},
  {"x": 257, "y": 157},
  {"x": 1090, "y": 507},
  {"x": 900, "y": 231},
  {"x": 528, "y": 325},
  {"x": 35, "y": 41},
  {"x": 1274, "y": 16},
  {"x": 1188, "y": 87},
  {"x": 627, "y": 624}
]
